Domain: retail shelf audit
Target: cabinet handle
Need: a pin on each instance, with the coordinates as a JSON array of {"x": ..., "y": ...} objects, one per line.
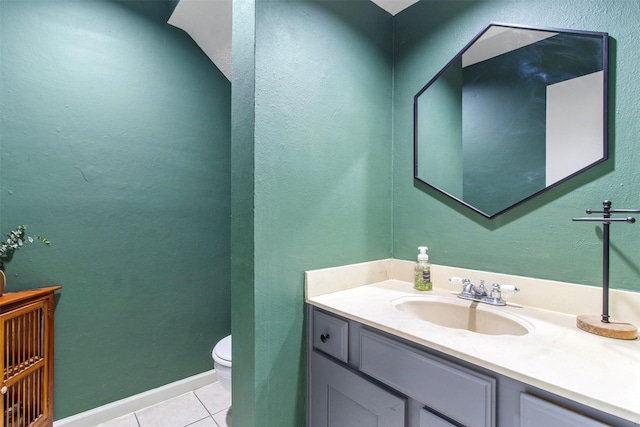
[
  {"x": 3, "y": 390},
  {"x": 324, "y": 338}
]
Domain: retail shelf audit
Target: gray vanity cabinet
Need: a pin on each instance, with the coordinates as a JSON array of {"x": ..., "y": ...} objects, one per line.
[
  {"x": 341, "y": 397},
  {"x": 345, "y": 399},
  {"x": 429, "y": 419},
  {"x": 360, "y": 376},
  {"x": 535, "y": 412},
  {"x": 352, "y": 368},
  {"x": 331, "y": 335},
  {"x": 457, "y": 393}
]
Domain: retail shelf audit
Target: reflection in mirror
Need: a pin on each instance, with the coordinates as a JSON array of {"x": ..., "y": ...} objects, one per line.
[{"x": 517, "y": 111}]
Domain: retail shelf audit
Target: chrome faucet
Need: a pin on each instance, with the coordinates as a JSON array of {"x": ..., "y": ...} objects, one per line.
[{"x": 479, "y": 293}]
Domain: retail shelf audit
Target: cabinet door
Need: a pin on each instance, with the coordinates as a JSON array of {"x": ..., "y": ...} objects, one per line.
[
  {"x": 429, "y": 419},
  {"x": 341, "y": 398},
  {"x": 24, "y": 386},
  {"x": 535, "y": 412}
]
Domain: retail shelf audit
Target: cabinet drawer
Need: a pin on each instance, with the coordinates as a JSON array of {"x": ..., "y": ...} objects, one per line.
[
  {"x": 331, "y": 335},
  {"x": 456, "y": 392},
  {"x": 536, "y": 412}
]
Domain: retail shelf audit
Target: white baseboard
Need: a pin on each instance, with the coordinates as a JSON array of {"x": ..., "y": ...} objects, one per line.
[{"x": 134, "y": 403}]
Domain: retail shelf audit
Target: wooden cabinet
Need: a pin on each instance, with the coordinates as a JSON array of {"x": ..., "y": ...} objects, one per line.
[{"x": 26, "y": 340}]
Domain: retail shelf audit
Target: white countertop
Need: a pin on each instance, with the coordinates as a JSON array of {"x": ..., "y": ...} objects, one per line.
[{"x": 600, "y": 372}]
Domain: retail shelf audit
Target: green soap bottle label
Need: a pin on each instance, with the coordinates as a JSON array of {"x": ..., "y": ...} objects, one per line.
[{"x": 422, "y": 280}]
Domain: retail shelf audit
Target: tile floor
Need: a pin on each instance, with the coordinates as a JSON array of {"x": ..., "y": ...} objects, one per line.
[{"x": 209, "y": 406}]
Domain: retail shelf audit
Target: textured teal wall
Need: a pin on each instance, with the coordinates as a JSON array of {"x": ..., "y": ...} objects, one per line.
[
  {"x": 537, "y": 238},
  {"x": 322, "y": 179},
  {"x": 115, "y": 144},
  {"x": 243, "y": 297},
  {"x": 123, "y": 162}
]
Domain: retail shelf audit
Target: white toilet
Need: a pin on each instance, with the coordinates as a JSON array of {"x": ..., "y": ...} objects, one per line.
[{"x": 222, "y": 361}]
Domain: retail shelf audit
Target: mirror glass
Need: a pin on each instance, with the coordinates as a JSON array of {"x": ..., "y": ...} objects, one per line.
[{"x": 517, "y": 111}]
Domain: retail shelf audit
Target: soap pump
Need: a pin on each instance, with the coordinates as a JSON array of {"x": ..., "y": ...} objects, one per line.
[{"x": 422, "y": 280}]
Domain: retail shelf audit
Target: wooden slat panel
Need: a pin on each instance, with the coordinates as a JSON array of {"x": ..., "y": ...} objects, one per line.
[
  {"x": 26, "y": 335},
  {"x": 23, "y": 400},
  {"x": 23, "y": 338}
]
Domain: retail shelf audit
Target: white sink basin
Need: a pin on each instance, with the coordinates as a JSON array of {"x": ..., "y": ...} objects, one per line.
[{"x": 460, "y": 314}]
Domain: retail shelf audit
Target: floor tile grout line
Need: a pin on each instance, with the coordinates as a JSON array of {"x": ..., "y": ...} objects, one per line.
[
  {"x": 193, "y": 392},
  {"x": 202, "y": 403},
  {"x": 221, "y": 410},
  {"x": 204, "y": 418}
]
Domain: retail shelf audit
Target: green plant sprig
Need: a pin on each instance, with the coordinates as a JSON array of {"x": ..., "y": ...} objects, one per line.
[{"x": 17, "y": 239}]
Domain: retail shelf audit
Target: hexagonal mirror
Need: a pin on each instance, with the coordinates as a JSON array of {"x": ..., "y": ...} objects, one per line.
[{"x": 517, "y": 111}]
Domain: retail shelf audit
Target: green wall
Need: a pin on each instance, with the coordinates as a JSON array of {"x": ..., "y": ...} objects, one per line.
[
  {"x": 321, "y": 170},
  {"x": 314, "y": 132},
  {"x": 115, "y": 144},
  {"x": 243, "y": 297},
  {"x": 123, "y": 162},
  {"x": 537, "y": 238}
]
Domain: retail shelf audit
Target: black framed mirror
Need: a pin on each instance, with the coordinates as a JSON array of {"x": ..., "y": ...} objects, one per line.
[{"x": 517, "y": 111}]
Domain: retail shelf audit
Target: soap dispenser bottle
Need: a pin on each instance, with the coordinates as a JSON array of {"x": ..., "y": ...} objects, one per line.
[{"x": 422, "y": 280}]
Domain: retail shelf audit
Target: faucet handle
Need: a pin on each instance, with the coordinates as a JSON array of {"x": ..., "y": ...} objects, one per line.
[
  {"x": 467, "y": 286},
  {"x": 495, "y": 291},
  {"x": 507, "y": 288}
]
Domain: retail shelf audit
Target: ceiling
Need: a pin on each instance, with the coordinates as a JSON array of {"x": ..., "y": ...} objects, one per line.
[{"x": 208, "y": 22}]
